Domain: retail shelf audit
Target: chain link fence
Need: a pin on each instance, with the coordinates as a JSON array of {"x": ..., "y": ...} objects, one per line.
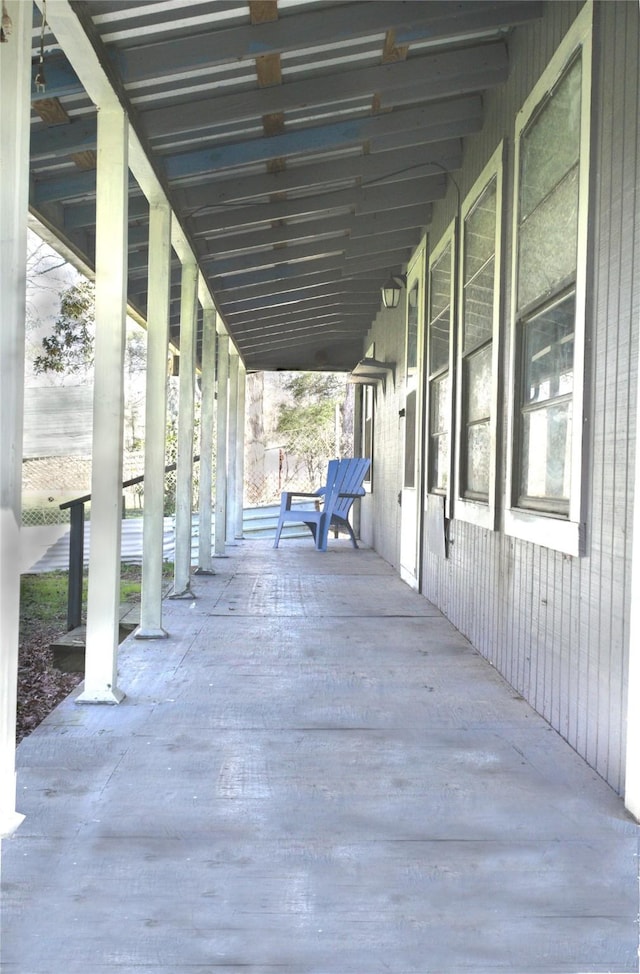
[
  {"x": 38, "y": 516},
  {"x": 299, "y": 463}
]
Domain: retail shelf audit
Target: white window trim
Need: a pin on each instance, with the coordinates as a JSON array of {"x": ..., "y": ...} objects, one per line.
[
  {"x": 480, "y": 512},
  {"x": 448, "y": 237},
  {"x": 416, "y": 274},
  {"x": 368, "y": 395},
  {"x": 551, "y": 530},
  {"x": 365, "y": 391}
]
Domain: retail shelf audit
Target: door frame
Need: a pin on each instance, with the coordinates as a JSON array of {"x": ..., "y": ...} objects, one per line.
[{"x": 411, "y": 517}]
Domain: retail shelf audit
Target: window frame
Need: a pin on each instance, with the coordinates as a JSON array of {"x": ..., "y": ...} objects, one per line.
[
  {"x": 552, "y": 529},
  {"x": 448, "y": 239},
  {"x": 415, "y": 277},
  {"x": 367, "y": 415},
  {"x": 478, "y": 511}
]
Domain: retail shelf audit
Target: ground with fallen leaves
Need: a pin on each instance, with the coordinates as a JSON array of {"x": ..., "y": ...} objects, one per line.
[
  {"x": 43, "y": 618},
  {"x": 40, "y": 686}
]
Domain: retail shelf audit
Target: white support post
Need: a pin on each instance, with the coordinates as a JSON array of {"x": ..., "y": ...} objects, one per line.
[
  {"x": 221, "y": 444},
  {"x": 155, "y": 420},
  {"x": 184, "y": 466},
  {"x": 242, "y": 396},
  {"x": 208, "y": 390},
  {"x": 15, "y": 80},
  {"x": 103, "y": 604},
  {"x": 232, "y": 439},
  {"x": 632, "y": 777}
]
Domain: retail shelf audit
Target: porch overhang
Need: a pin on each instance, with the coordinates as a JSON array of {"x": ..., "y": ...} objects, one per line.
[{"x": 300, "y": 146}]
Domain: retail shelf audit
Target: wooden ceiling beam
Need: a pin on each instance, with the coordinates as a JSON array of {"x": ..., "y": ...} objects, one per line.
[
  {"x": 318, "y": 279},
  {"x": 428, "y": 76},
  {"x": 434, "y": 21},
  {"x": 273, "y": 299},
  {"x": 354, "y": 226},
  {"x": 314, "y": 321},
  {"x": 319, "y": 210},
  {"x": 378, "y": 167},
  {"x": 432, "y": 122},
  {"x": 295, "y": 270},
  {"x": 349, "y": 302},
  {"x": 356, "y": 248}
]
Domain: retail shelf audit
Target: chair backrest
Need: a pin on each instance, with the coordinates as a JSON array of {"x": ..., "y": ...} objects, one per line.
[
  {"x": 354, "y": 473},
  {"x": 344, "y": 477}
]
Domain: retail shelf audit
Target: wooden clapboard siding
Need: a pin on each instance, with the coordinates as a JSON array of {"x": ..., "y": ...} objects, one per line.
[
  {"x": 556, "y": 626},
  {"x": 58, "y": 421},
  {"x": 380, "y": 511}
]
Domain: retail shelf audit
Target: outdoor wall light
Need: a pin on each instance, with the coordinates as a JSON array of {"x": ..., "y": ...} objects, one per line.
[{"x": 391, "y": 290}]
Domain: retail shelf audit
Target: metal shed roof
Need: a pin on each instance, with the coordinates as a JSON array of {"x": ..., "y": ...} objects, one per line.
[{"x": 300, "y": 142}]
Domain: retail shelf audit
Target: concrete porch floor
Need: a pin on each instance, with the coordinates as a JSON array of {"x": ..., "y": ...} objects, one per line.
[{"x": 314, "y": 774}]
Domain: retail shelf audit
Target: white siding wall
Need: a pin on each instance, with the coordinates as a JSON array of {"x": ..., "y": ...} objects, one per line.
[
  {"x": 380, "y": 511},
  {"x": 555, "y": 626}
]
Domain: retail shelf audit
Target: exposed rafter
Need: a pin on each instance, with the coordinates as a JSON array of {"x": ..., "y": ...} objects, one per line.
[{"x": 301, "y": 147}]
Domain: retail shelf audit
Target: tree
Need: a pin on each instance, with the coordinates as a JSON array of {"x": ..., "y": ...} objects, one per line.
[
  {"x": 47, "y": 274},
  {"x": 135, "y": 365},
  {"x": 307, "y": 419},
  {"x": 69, "y": 348}
]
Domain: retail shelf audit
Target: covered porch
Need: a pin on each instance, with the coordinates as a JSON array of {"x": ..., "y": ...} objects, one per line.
[
  {"x": 309, "y": 768},
  {"x": 315, "y": 772}
]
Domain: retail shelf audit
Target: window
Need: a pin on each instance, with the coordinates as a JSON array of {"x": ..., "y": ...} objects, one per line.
[
  {"x": 549, "y": 284},
  {"x": 545, "y": 460},
  {"x": 478, "y": 346},
  {"x": 439, "y": 350}
]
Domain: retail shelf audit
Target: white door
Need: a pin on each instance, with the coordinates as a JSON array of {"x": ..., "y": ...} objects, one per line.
[{"x": 411, "y": 495}]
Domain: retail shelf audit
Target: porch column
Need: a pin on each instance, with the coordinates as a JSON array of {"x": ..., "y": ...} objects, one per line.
[
  {"x": 155, "y": 420},
  {"x": 103, "y": 604},
  {"x": 632, "y": 777},
  {"x": 184, "y": 466},
  {"x": 242, "y": 394},
  {"x": 232, "y": 473},
  {"x": 15, "y": 82},
  {"x": 208, "y": 388},
  {"x": 221, "y": 443}
]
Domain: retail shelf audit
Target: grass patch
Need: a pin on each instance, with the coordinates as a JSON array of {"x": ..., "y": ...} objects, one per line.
[
  {"x": 43, "y": 600},
  {"x": 43, "y": 618},
  {"x": 43, "y": 596}
]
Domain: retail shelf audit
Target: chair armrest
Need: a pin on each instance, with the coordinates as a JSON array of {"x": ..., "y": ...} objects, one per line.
[{"x": 287, "y": 496}]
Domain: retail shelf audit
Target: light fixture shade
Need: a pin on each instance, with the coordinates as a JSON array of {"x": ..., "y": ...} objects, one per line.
[{"x": 391, "y": 292}]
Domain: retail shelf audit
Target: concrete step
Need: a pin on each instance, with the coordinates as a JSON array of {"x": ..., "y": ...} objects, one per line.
[{"x": 261, "y": 522}]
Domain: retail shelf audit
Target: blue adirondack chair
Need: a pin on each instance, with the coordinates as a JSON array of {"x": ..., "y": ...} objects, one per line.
[{"x": 332, "y": 502}]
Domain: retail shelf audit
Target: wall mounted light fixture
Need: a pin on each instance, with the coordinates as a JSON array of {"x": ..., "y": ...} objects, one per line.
[{"x": 391, "y": 290}]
